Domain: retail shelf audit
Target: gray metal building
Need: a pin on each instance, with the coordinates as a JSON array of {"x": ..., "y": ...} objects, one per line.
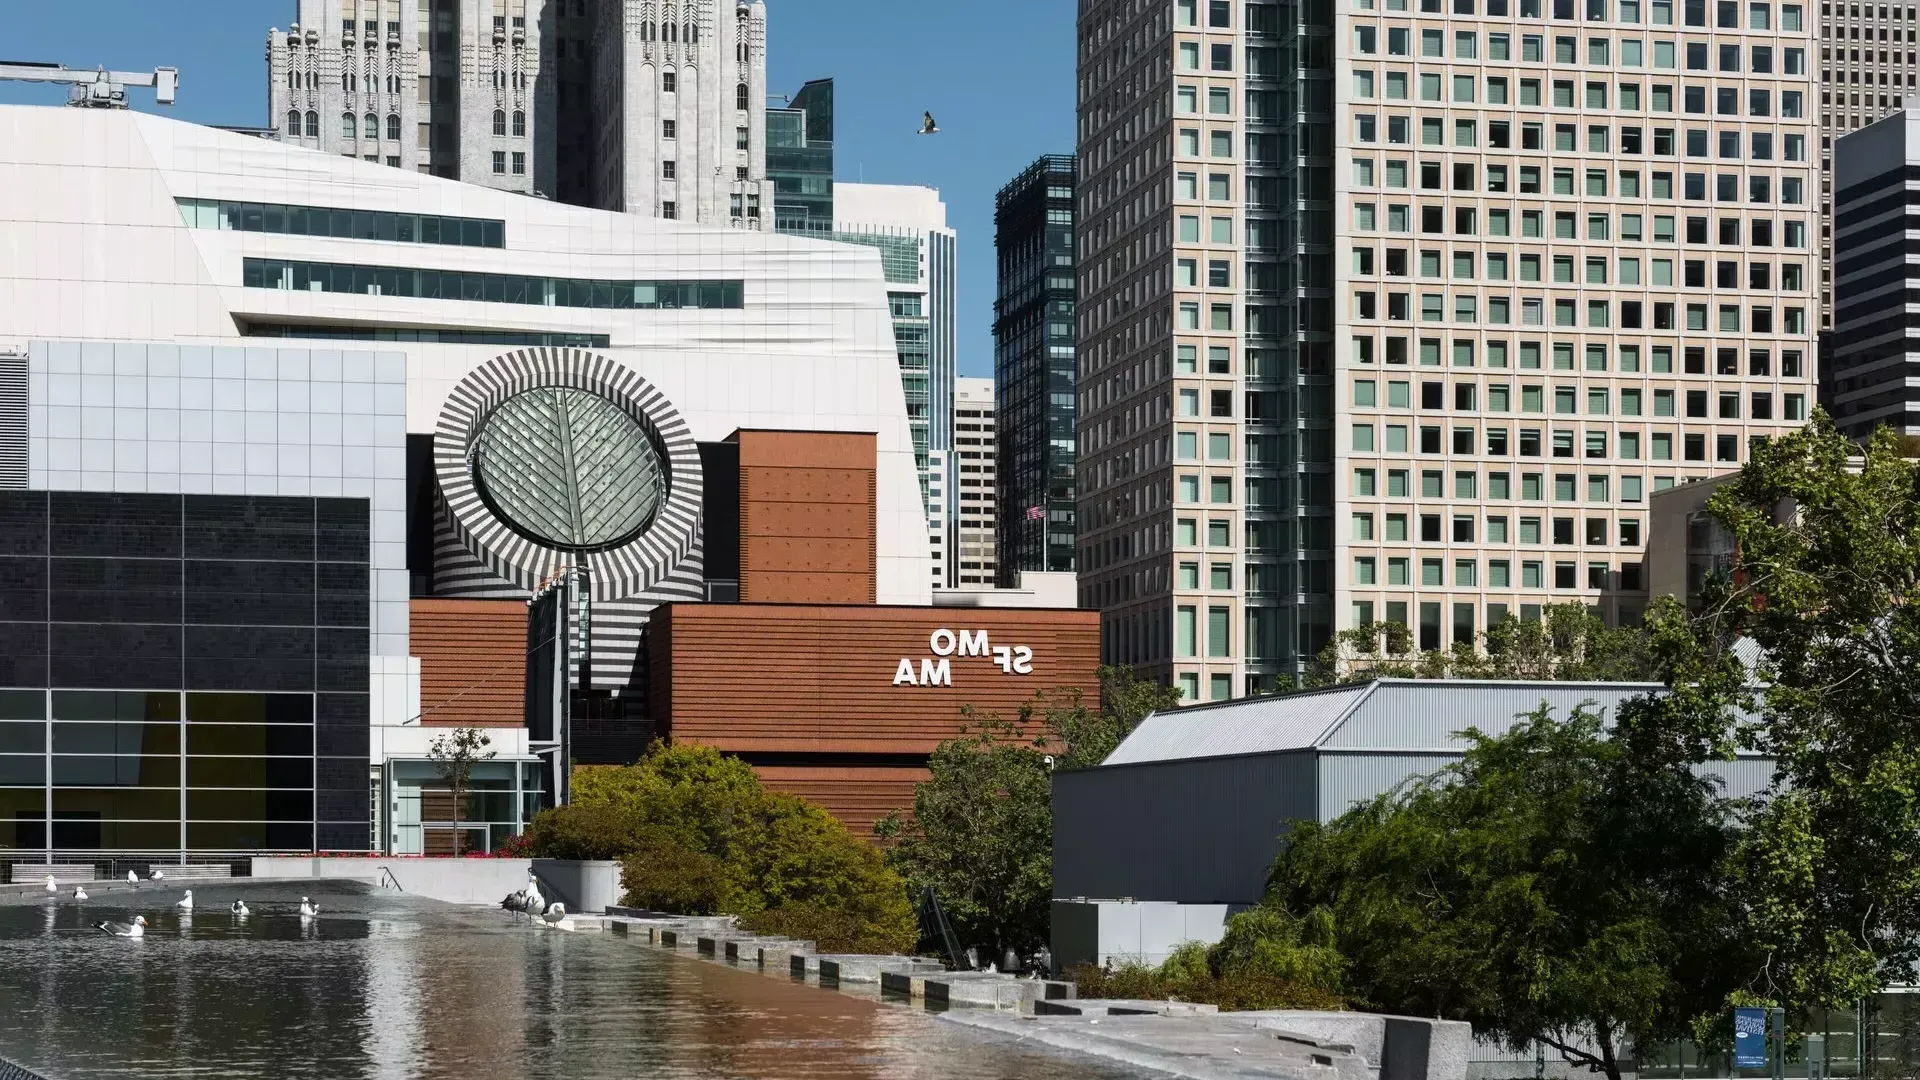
[{"x": 1193, "y": 807}]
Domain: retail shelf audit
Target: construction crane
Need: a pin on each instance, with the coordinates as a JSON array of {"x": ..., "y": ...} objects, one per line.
[{"x": 97, "y": 89}]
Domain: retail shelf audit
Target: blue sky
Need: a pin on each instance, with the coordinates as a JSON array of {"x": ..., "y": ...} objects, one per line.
[{"x": 998, "y": 74}]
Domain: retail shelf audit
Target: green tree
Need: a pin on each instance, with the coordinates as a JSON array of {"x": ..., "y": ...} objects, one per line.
[
  {"x": 1826, "y": 584},
  {"x": 1567, "y": 643},
  {"x": 981, "y": 831},
  {"x": 454, "y": 755},
  {"x": 1549, "y": 887}
]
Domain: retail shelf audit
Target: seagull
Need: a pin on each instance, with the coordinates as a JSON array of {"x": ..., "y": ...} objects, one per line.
[
  {"x": 51, "y": 887},
  {"x": 535, "y": 903},
  {"x": 239, "y": 908},
  {"x": 555, "y": 913},
  {"x": 133, "y": 879},
  {"x": 927, "y": 126},
  {"x": 307, "y": 910},
  {"x": 187, "y": 903},
  {"x": 79, "y": 893},
  {"x": 137, "y": 928},
  {"x": 156, "y": 874}
]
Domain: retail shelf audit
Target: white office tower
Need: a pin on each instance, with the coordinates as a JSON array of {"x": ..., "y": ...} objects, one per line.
[
  {"x": 917, "y": 253},
  {"x": 973, "y": 500},
  {"x": 451, "y": 87},
  {"x": 679, "y": 97},
  {"x": 1397, "y": 310}
]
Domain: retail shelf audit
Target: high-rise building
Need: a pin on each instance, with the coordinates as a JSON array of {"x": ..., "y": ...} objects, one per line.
[
  {"x": 384, "y": 81},
  {"x": 679, "y": 95},
  {"x": 627, "y": 105},
  {"x": 917, "y": 253},
  {"x": 1876, "y": 350},
  {"x": 971, "y": 488},
  {"x": 1033, "y": 368},
  {"x": 1403, "y": 322},
  {"x": 800, "y": 161},
  {"x": 1868, "y": 68}
]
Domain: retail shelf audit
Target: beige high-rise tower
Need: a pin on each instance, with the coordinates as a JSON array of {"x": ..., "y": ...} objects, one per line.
[{"x": 1398, "y": 310}]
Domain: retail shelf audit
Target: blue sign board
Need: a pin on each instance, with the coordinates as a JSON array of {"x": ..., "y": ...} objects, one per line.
[{"x": 1749, "y": 1038}]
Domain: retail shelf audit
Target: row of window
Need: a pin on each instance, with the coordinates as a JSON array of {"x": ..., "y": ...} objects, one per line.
[
  {"x": 1499, "y": 575},
  {"x": 1694, "y": 100},
  {"x": 1658, "y": 12},
  {"x": 1502, "y": 266},
  {"x": 1534, "y": 398},
  {"x": 1566, "y": 224},
  {"x": 1466, "y": 442},
  {"x": 1600, "y": 314},
  {"x": 1595, "y": 183},
  {"x": 1723, "y": 143},
  {"x": 1496, "y": 486},
  {"x": 337, "y": 223},
  {"x": 1528, "y": 355},
  {"x": 1600, "y": 52},
  {"x": 493, "y": 288}
]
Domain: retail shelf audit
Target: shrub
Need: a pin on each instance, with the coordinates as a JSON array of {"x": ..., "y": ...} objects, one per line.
[
  {"x": 665, "y": 874},
  {"x": 1180, "y": 979},
  {"x": 583, "y": 831},
  {"x": 832, "y": 929}
]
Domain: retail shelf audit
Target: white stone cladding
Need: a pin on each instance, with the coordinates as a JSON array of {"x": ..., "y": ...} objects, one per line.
[
  {"x": 318, "y": 75},
  {"x": 679, "y": 85}
]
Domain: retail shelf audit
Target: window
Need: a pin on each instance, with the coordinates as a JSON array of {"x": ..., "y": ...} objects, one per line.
[
  {"x": 499, "y": 162},
  {"x": 667, "y": 84},
  {"x": 393, "y": 127},
  {"x": 348, "y": 126},
  {"x": 741, "y": 101},
  {"x": 499, "y": 121},
  {"x": 519, "y": 163},
  {"x": 668, "y": 129}
]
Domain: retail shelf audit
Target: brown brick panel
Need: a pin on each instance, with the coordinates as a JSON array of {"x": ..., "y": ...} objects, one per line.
[
  {"x": 820, "y": 449},
  {"x": 775, "y": 678},
  {"x": 858, "y": 796},
  {"x": 807, "y": 518},
  {"x": 473, "y": 668}
]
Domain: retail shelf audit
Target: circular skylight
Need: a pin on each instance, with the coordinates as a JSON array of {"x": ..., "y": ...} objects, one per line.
[{"x": 568, "y": 468}]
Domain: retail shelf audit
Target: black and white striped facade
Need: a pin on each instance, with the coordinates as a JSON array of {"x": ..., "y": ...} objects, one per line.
[
  {"x": 477, "y": 555},
  {"x": 1873, "y": 375}
]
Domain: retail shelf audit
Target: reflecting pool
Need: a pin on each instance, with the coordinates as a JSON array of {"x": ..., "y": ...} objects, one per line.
[{"x": 384, "y": 985}]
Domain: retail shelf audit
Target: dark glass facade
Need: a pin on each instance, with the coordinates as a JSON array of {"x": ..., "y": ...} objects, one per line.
[
  {"x": 183, "y": 671},
  {"x": 1033, "y": 368},
  {"x": 1289, "y": 277},
  {"x": 800, "y": 161}
]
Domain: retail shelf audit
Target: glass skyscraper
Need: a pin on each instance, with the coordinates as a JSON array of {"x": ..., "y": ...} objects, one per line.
[
  {"x": 1034, "y": 368},
  {"x": 800, "y": 161}
]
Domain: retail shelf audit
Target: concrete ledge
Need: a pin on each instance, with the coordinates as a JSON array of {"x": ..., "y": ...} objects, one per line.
[
  {"x": 843, "y": 967},
  {"x": 1119, "y": 1007},
  {"x": 1202, "y": 1047},
  {"x": 1394, "y": 1047}
]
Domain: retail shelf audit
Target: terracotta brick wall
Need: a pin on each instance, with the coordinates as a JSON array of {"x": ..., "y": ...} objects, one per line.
[{"x": 473, "y": 666}]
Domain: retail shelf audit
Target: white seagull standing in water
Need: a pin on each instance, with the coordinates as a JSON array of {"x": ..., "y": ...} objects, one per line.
[
  {"x": 133, "y": 879},
  {"x": 186, "y": 904},
  {"x": 156, "y": 874},
  {"x": 555, "y": 913},
  {"x": 79, "y": 893},
  {"x": 307, "y": 910},
  {"x": 239, "y": 908},
  {"x": 136, "y": 928},
  {"x": 51, "y": 887}
]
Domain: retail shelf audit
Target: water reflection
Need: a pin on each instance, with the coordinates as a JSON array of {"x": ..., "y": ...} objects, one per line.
[{"x": 380, "y": 985}]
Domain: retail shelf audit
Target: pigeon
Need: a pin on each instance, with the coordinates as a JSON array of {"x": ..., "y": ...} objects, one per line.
[
  {"x": 186, "y": 904},
  {"x": 927, "y": 126},
  {"x": 133, "y": 879},
  {"x": 137, "y": 928},
  {"x": 79, "y": 893},
  {"x": 307, "y": 910},
  {"x": 51, "y": 887},
  {"x": 239, "y": 908}
]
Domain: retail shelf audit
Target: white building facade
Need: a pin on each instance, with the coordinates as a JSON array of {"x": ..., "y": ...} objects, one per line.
[
  {"x": 271, "y": 263},
  {"x": 918, "y": 253},
  {"x": 1408, "y": 334},
  {"x": 973, "y": 503}
]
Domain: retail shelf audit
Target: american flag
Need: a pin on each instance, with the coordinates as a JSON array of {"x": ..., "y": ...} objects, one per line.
[{"x": 1036, "y": 513}]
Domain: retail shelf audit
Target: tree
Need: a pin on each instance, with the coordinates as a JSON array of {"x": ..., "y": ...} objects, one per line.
[
  {"x": 1567, "y": 643},
  {"x": 1549, "y": 887},
  {"x": 1826, "y": 584},
  {"x": 454, "y": 754},
  {"x": 981, "y": 832}
]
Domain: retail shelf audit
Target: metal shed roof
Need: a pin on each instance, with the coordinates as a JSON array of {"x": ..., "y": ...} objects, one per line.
[{"x": 1385, "y": 714}]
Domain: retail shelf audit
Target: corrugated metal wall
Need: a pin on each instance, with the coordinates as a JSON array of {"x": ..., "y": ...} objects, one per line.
[
  {"x": 1346, "y": 779},
  {"x": 1198, "y": 832},
  {"x": 1412, "y": 716}
]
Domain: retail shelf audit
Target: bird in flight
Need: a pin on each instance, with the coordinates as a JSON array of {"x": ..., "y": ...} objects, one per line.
[{"x": 927, "y": 126}]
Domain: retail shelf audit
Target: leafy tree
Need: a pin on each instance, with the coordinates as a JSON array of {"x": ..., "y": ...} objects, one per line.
[
  {"x": 1550, "y": 887},
  {"x": 454, "y": 755},
  {"x": 1568, "y": 643},
  {"x": 981, "y": 831},
  {"x": 1826, "y": 584}
]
